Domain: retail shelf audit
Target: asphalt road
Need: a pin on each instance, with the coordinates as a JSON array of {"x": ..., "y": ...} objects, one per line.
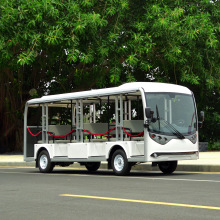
[{"x": 75, "y": 194}]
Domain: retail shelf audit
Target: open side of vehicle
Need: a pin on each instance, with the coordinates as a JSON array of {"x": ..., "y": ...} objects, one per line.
[{"x": 125, "y": 125}]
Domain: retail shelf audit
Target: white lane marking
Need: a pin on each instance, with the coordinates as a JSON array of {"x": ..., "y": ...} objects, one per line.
[{"x": 121, "y": 177}]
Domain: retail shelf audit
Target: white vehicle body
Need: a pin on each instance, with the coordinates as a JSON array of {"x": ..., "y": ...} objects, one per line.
[{"x": 156, "y": 139}]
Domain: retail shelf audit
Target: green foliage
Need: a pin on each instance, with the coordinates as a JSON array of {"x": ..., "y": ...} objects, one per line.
[
  {"x": 57, "y": 46},
  {"x": 26, "y": 57},
  {"x": 214, "y": 146}
]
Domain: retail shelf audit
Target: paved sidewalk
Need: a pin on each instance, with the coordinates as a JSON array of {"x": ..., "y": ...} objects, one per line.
[{"x": 208, "y": 162}]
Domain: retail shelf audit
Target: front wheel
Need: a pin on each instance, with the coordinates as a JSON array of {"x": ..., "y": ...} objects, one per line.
[
  {"x": 44, "y": 163},
  {"x": 92, "y": 166},
  {"x": 120, "y": 163},
  {"x": 168, "y": 167}
]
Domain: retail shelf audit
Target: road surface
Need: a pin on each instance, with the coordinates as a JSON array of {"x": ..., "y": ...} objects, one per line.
[{"x": 76, "y": 194}]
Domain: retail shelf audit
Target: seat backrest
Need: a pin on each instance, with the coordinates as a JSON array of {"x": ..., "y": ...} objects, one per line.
[
  {"x": 59, "y": 130},
  {"x": 96, "y": 128},
  {"x": 136, "y": 126}
]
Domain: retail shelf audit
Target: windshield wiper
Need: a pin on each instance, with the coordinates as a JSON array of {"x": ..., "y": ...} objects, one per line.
[
  {"x": 158, "y": 117},
  {"x": 174, "y": 130},
  {"x": 170, "y": 127}
]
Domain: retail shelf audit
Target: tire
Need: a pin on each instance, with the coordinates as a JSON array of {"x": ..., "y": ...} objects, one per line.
[
  {"x": 92, "y": 166},
  {"x": 168, "y": 167},
  {"x": 44, "y": 163},
  {"x": 119, "y": 163}
]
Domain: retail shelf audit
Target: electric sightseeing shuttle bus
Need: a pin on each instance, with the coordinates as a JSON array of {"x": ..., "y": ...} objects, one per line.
[{"x": 126, "y": 125}]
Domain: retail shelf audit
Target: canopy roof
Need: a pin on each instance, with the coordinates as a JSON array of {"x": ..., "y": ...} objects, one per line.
[{"x": 127, "y": 88}]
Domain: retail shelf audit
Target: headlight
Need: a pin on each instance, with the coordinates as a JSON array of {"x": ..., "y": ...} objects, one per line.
[
  {"x": 193, "y": 138},
  {"x": 159, "y": 139}
]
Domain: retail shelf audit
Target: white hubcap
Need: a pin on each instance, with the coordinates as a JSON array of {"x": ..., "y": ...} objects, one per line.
[
  {"x": 43, "y": 162},
  {"x": 119, "y": 163}
]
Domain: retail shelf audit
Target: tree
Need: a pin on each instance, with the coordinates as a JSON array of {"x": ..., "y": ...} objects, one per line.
[{"x": 54, "y": 46}]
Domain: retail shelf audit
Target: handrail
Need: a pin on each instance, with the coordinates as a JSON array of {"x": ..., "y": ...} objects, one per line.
[
  {"x": 63, "y": 136},
  {"x": 133, "y": 135},
  {"x": 34, "y": 135},
  {"x": 99, "y": 134},
  {"x": 55, "y": 136}
]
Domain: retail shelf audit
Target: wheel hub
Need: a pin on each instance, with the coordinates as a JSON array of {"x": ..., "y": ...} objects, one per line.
[
  {"x": 119, "y": 163},
  {"x": 43, "y": 161}
]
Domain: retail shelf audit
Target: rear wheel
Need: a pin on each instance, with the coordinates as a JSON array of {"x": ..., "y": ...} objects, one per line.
[
  {"x": 120, "y": 163},
  {"x": 44, "y": 163},
  {"x": 92, "y": 166},
  {"x": 168, "y": 167}
]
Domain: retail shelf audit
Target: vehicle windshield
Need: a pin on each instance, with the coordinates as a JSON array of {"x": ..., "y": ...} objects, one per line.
[{"x": 173, "y": 113}]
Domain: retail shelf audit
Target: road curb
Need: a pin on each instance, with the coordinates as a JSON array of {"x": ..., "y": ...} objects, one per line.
[
  {"x": 17, "y": 164},
  {"x": 180, "y": 167},
  {"x": 199, "y": 168},
  {"x": 141, "y": 167}
]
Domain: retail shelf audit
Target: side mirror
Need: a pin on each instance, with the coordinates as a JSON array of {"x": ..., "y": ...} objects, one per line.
[
  {"x": 202, "y": 116},
  {"x": 149, "y": 115},
  {"x": 148, "y": 112}
]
